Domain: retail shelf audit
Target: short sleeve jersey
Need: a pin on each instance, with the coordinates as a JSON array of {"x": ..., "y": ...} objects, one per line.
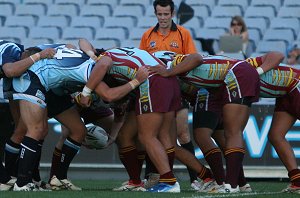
[{"x": 178, "y": 40}]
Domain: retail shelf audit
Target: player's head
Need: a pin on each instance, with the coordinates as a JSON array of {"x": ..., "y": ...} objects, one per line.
[
  {"x": 99, "y": 51},
  {"x": 293, "y": 57},
  {"x": 164, "y": 11},
  {"x": 30, "y": 51}
]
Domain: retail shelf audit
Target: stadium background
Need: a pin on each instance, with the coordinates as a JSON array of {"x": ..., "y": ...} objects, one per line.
[{"x": 272, "y": 25}]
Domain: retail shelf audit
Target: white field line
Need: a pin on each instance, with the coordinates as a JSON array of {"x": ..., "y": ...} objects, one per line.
[{"x": 233, "y": 195}]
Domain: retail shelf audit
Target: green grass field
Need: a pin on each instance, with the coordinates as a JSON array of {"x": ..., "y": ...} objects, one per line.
[{"x": 102, "y": 188}]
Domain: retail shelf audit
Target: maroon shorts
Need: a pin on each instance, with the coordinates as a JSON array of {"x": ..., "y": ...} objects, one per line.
[
  {"x": 158, "y": 94},
  {"x": 290, "y": 103},
  {"x": 241, "y": 81},
  {"x": 90, "y": 115}
]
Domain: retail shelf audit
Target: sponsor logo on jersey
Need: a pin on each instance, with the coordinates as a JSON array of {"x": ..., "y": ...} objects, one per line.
[
  {"x": 174, "y": 44},
  {"x": 152, "y": 44},
  {"x": 40, "y": 95}
]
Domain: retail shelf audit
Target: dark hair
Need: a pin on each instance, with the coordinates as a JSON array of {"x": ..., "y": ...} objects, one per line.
[
  {"x": 99, "y": 51},
  {"x": 240, "y": 21},
  {"x": 164, "y": 3},
  {"x": 31, "y": 50}
]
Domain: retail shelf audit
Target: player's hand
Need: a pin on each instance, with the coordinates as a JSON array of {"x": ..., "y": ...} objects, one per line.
[
  {"x": 83, "y": 101},
  {"x": 142, "y": 74},
  {"x": 47, "y": 53},
  {"x": 159, "y": 69}
]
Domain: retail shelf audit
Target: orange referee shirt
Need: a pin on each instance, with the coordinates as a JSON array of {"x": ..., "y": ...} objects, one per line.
[{"x": 178, "y": 40}]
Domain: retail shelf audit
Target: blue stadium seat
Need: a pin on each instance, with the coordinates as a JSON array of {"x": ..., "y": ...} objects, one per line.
[
  {"x": 125, "y": 22},
  {"x": 202, "y": 12},
  {"x": 111, "y": 33},
  {"x": 105, "y": 43},
  {"x": 29, "y": 42},
  {"x": 291, "y": 3},
  {"x": 275, "y": 4},
  {"x": 149, "y": 12},
  {"x": 286, "y": 23},
  {"x": 20, "y": 21},
  {"x": 74, "y": 2},
  {"x": 193, "y": 24},
  {"x": 209, "y": 4},
  {"x": 260, "y": 12},
  {"x": 77, "y": 33},
  {"x": 43, "y": 2},
  {"x": 226, "y": 11},
  {"x": 254, "y": 37},
  {"x": 256, "y": 23},
  {"x": 111, "y": 3},
  {"x": 13, "y": 33},
  {"x": 289, "y": 12},
  {"x": 59, "y": 22},
  {"x": 285, "y": 35},
  {"x": 136, "y": 33},
  {"x": 243, "y": 4},
  {"x": 210, "y": 33},
  {"x": 67, "y": 41},
  {"x": 130, "y": 43},
  {"x": 35, "y": 10},
  {"x": 146, "y": 22},
  {"x": 50, "y": 33},
  {"x": 67, "y": 10},
  {"x": 143, "y": 3},
  {"x": 213, "y": 22},
  {"x": 134, "y": 11},
  {"x": 93, "y": 22},
  {"x": 7, "y": 9},
  {"x": 267, "y": 46},
  {"x": 96, "y": 10}
]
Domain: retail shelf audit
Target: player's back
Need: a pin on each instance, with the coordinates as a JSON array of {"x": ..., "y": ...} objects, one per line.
[{"x": 67, "y": 65}]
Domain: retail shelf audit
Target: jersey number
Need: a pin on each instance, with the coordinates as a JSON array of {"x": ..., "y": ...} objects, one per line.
[{"x": 67, "y": 53}]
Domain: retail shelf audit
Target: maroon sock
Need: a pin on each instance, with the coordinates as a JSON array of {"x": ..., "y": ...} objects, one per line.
[
  {"x": 234, "y": 161},
  {"x": 150, "y": 167},
  {"x": 214, "y": 160},
  {"x": 205, "y": 173},
  {"x": 55, "y": 161},
  {"x": 129, "y": 158},
  {"x": 171, "y": 156},
  {"x": 242, "y": 178},
  {"x": 294, "y": 176},
  {"x": 168, "y": 178}
]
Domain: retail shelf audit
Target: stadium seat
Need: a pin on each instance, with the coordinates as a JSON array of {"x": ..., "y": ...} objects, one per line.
[
  {"x": 260, "y": 12},
  {"x": 77, "y": 33},
  {"x": 193, "y": 24},
  {"x": 275, "y": 4},
  {"x": 134, "y": 11},
  {"x": 13, "y": 33},
  {"x": 111, "y": 33},
  {"x": 209, "y": 4},
  {"x": 210, "y": 33},
  {"x": 29, "y": 42},
  {"x": 53, "y": 21},
  {"x": 68, "y": 10},
  {"x": 286, "y": 23},
  {"x": 136, "y": 33},
  {"x": 43, "y": 2},
  {"x": 267, "y": 46},
  {"x": 146, "y": 22},
  {"x": 20, "y": 21},
  {"x": 35, "y": 10},
  {"x": 143, "y": 3},
  {"x": 212, "y": 22},
  {"x": 243, "y": 4},
  {"x": 289, "y": 12},
  {"x": 50, "y": 33},
  {"x": 96, "y": 10},
  {"x": 291, "y": 3},
  {"x": 254, "y": 37},
  {"x": 7, "y": 9},
  {"x": 110, "y": 3},
  {"x": 125, "y": 22},
  {"x": 226, "y": 11},
  {"x": 67, "y": 41},
  {"x": 149, "y": 12},
  {"x": 74, "y": 2},
  {"x": 93, "y": 22},
  {"x": 130, "y": 43},
  {"x": 105, "y": 43},
  {"x": 198, "y": 45},
  {"x": 201, "y": 12},
  {"x": 256, "y": 23},
  {"x": 285, "y": 35}
]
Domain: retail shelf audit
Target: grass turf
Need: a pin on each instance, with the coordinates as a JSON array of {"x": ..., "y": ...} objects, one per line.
[{"x": 102, "y": 188}]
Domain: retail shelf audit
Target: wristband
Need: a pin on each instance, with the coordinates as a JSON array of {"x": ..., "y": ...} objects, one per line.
[
  {"x": 86, "y": 91},
  {"x": 35, "y": 57},
  {"x": 134, "y": 83},
  {"x": 259, "y": 70}
]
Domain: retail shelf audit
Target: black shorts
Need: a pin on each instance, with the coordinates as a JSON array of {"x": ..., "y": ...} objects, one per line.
[
  {"x": 207, "y": 119},
  {"x": 57, "y": 104}
]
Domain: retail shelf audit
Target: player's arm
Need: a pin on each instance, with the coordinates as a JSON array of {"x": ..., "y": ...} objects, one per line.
[
  {"x": 19, "y": 67},
  {"x": 269, "y": 61},
  {"x": 88, "y": 48},
  {"x": 189, "y": 62}
]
